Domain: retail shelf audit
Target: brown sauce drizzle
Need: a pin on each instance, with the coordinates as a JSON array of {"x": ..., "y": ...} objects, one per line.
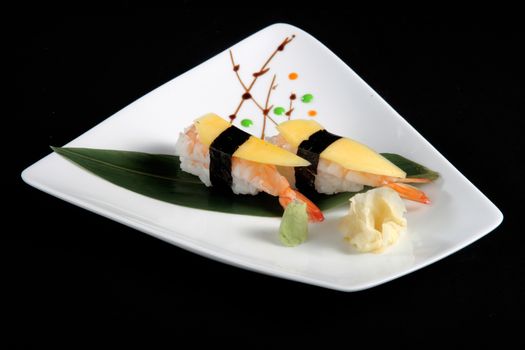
[{"x": 247, "y": 95}]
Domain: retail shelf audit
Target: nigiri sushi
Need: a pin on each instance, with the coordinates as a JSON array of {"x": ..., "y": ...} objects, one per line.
[
  {"x": 339, "y": 164},
  {"x": 227, "y": 158}
]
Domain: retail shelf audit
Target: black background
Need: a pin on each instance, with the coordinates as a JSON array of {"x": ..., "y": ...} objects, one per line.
[{"x": 455, "y": 78}]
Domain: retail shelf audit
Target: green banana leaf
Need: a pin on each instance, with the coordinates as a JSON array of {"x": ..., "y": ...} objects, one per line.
[
  {"x": 412, "y": 169},
  {"x": 159, "y": 176}
]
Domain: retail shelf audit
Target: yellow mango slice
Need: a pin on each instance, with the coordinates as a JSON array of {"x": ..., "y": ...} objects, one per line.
[
  {"x": 298, "y": 130},
  {"x": 346, "y": 152},
  {"x": 261, "y": 151},
  {"x": 210, "y": 126},
  {"x": 355, "y": 156}
]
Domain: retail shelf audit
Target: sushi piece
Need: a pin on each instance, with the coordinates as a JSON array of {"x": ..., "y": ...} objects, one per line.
[
  {"x": 339, "y": 164},
  {"x": 229, "y": 159}
]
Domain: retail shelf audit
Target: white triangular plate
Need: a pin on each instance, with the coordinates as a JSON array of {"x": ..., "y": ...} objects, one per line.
[{"x": 345, "y": 105}]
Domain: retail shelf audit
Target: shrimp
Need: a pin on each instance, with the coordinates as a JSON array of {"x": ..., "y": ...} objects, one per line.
[
  {"x": 248, "y": 177},
  {"x": 332, "y": 177},
  {"x": 400, "y": 185}
]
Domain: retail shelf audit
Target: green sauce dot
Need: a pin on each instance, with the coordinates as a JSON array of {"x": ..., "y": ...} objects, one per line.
[
  {"x": 279, "y": 110},
  {"x": 307, "y": 98},
  {"x": 246, "y": 122}
]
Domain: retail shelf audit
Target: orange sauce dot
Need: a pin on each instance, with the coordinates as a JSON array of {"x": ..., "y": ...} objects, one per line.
[
  {"x": 312, "y": 113},
  {"x": 293, "y": 76}
]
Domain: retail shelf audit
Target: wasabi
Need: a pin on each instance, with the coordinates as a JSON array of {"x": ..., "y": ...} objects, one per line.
[{"x": 294, "y": 224}]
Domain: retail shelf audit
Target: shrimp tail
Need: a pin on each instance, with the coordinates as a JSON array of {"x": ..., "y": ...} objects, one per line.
[
  {"x": 409, "y": 192},
  {"x": 418, "y": 180},
  {"x": 314, "y": 213}
]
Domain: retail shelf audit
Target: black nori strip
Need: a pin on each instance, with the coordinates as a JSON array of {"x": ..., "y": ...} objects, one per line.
[
  {"x": 310, "y": 150},
  {"x": 221, "y": 151}
]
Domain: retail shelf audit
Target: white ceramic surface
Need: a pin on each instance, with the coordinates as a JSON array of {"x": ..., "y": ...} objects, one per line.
[{"x": 345, "y": 104}]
